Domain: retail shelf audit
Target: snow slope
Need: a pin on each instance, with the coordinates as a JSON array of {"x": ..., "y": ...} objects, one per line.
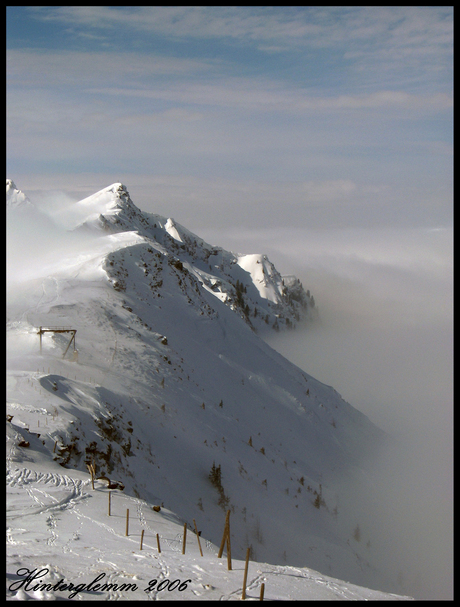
[
  {"x": 59, "y": 528},
  {"x": 168, "y": 382}
]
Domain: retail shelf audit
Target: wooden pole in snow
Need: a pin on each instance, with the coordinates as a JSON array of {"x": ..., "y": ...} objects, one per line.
[
  {"x": 127, "y": 520},
  {"x": 92, "y": 470},
  {"x": 245, "y": 579},
  {"x": 142, "y": 538},
  {"x": 262, "y": 590},
  {"x": 197, "y": 537},
  {"x": 158, "y": 544},
  {"x": 110, "y": 502},
  {"x": 224, "y": 537},
  {"x": 185, "y": 536},
  {"x": 229, "y": 551}
]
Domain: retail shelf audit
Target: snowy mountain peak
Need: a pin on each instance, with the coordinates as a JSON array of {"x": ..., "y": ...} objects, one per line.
[
  {"x": 170, "y": 227},
  {"x": 107, "y": 195},
  {"x": 267, "y": 279},
  {"x": 14, "y": 197},
  {"x": 248, "y": 284},
  {"x": 101, "y": 210}
]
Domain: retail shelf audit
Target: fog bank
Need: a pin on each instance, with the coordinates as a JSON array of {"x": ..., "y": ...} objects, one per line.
[{"x": 383, "y": 339}]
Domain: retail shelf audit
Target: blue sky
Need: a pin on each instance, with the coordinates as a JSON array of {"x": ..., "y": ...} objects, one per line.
[{"x": 306, "y": 116}]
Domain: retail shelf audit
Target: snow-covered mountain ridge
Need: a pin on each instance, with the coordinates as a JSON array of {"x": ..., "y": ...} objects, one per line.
[
  {"x": 172, "y": 394},
  {"x": 249, "y": 284}
]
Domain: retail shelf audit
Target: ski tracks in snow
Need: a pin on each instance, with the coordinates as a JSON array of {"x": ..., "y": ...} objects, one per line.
[
  {"x": 39, "y": 487},
  {"x": 69, "y": 494},
  {"x": 24, "y": 477}
]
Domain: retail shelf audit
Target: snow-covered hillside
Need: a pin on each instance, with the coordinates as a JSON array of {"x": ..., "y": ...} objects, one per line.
[{"x": 168, "y": 391}]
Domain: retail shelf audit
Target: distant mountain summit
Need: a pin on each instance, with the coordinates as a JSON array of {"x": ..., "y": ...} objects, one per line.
[{"x": 14, "y": 197}]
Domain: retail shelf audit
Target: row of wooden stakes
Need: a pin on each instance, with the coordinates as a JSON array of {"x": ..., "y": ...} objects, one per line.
[{"x": 225, "y": 541}]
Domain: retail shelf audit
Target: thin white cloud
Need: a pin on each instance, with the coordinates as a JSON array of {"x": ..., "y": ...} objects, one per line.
[
  {"x": 393, "y": 39},
  {"x": 314, "y": 25},
  {"x": 138, "y": 75},
  {"x": 209, "y": 22},
  {"x": 248, "y": 94},
  {"x": 27, "y": 68}
]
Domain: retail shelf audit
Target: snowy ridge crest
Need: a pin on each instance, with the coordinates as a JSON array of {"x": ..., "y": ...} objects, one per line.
[{"x": 248, "y": 284}]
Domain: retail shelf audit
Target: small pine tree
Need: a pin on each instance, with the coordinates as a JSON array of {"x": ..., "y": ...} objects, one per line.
[
  {"x": 319, "y": 498},
  {"x": 215, "y": 476}
]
